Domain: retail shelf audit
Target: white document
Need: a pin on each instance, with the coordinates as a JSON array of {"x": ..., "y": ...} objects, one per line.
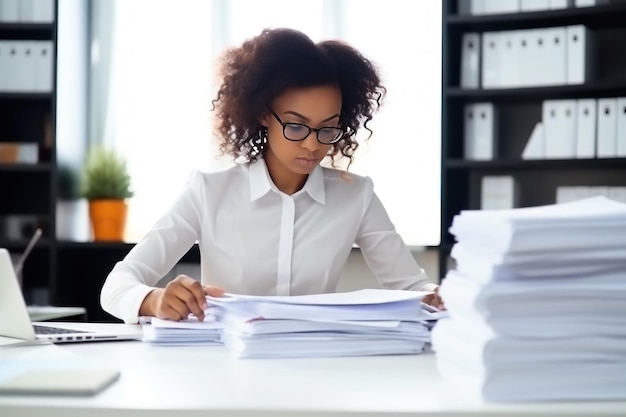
[
  {"x": 579, "y": 54},
  {"x": 621, "y": 127},
  {"x": 43, "y": 80},
  {"x": 586, "y": 113},
  {"x": 500, "y": 6},
  {"x": 559, "y": 118},
  {"x": 43, "y": 11},
  {"x": 607, "y": 128},
  {"x": 484, "y": 139},
  {"x": 534, "y": 5},
  {"x": 536, "y": 145},
  {"x": 490, "y": 58},
  {"x": 9, "y": 10},
  {"x": 470, "y": 61}
]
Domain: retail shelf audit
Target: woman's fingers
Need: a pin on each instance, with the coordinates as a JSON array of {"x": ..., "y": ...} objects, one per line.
[{"x": 213, "y": 291}]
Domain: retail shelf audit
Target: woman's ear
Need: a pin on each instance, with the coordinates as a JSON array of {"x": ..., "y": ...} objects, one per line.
[{"x": 263, "y": 118}]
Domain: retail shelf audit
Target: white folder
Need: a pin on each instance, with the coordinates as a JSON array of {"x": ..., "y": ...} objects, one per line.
[
  {"x": 559, "y": 119},
  {"x": 535, "y": 147},
  {"x": 579, "y": 54},
  {"x": 9, "y": 10},
  {"x": 479, "y": 131},
  {"x": 555, "y": 66},
  {"x": 43, "y": 79},
  {"x": 621, "y": 128},
  {"x": 490, "y": 59},
  {"x": 43, "y": 11},
  {"x": 471, "y": 7},
  {"x": 470, "y": 60},
  {"x": 534, "y": 5},
  {"x": 586, "y": 122},
  {"x": 500, "y": 6},
  {"x": 532, "y": 57},
  {"x": 599, "y": 190},
  {"x": 13, "y": 62},
  {"x": 28, "y": 65},
  {"x": 606, "y": 146},
  {"x": 4, "y": 63},
  {"x": 566, "y": 194}
]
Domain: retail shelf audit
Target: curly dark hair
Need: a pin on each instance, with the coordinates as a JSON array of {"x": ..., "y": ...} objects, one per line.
[{"x": 263, "y": 67}]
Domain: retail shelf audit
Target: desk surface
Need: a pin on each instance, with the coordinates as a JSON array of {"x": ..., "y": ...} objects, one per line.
[{"x": 209, "y": 381}]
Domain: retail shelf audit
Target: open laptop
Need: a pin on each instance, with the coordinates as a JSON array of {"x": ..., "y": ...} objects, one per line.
[{"x": 15, "y": 322}]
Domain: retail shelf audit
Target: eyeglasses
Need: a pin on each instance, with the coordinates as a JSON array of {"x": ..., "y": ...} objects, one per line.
[{"x": 297, "y": 132}]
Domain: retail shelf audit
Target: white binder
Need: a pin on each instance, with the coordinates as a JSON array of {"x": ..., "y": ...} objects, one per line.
[
  {"x": 9, "y": 10},
  {"x": 25, "y": 10},
  {"x": 479, "y": 131},
  {"x": 606, "y": 146},
  {"x": 471, "y": 7},
  {"x": 13, "y": 62},
  {"x": 534, "y": 5},
  {"x": 599, "y": 190},
  {"x": 579, "y": 54},
  {"x": 490, "y": 60},
  {"x": 532, "y": 57},
  {"x": 509, "y": 63},
  {"x": 43, "y": 79},
  {"x": 566, "y": 194},
  {"x": 470, "y": 60},
  {"x": 535, "y": 147},
  {"x": 618, "y": 194},
  {"x": 621, "y": 128},
  {"x": 500, "y": 6},
  {"x": 26, "y": 50},
  {"x": 4, "y": 63},
  {"x": 590, "y": 3},
  {"x": 555, "y": 66},
  {"x": 560, "y": 4},
  {"x": 559, "y": 119},
  {"x": 498, "y": 193},
  {"x": 43, "y": 11},
  {"x": 586, "y": 112}
]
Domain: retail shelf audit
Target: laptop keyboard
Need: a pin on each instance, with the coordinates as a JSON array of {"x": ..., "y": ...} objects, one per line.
[{"x": 54, "y": 330}]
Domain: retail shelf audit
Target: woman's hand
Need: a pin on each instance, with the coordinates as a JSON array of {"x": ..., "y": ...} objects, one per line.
[
  {"x": 179, "y": 298},
  {"x": 434, "y": 300}
]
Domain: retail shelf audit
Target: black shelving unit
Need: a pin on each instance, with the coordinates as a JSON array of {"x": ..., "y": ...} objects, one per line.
[
  {"x": 28, "y": 190},
  {"x": 519, "y": 109}
]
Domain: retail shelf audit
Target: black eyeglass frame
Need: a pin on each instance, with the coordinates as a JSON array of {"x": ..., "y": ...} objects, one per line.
[{"x": 340, "y": 131}]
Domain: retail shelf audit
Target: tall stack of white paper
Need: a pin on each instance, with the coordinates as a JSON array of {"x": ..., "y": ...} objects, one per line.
[
  {"x": 364, "y": 322},
  {"x": 537, "y": 303}
]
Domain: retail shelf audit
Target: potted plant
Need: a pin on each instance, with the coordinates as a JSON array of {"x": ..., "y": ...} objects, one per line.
[{"x": 106, "y": 185}]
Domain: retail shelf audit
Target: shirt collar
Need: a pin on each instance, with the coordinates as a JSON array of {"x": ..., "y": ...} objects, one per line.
[{"x": 261, "y": 183}]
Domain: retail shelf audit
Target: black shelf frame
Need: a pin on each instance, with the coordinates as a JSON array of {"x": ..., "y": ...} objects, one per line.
[
  {"x": 43, "y": 167},
  {"x": 543, "y": 164},
  {"x": 589, "y": 90}
]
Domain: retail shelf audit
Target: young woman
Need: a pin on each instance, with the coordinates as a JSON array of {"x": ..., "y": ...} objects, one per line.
[{"x": 277, "y": 223}]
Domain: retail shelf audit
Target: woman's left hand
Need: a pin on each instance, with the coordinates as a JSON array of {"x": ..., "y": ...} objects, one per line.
[{"x": 434, "y": 300}]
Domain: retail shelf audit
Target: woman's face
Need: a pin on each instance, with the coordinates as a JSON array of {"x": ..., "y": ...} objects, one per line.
[{"x": 289, "y": 162}]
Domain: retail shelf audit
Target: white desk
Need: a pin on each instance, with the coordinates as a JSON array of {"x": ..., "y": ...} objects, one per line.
[{"x": 209, "y": 381}]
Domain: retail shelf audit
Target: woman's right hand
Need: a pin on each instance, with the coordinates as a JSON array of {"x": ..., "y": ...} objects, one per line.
[{"x": 179, "y": 298}]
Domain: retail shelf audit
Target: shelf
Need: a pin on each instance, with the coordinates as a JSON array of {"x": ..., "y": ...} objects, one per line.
[
  {"x": 26, "y": 31},
  {"x": 13, "y": 245},
  {"x": 551, "y": 164},
  {"x": 26, "y": 96},
  {"x": 42, "y": 167},
  {"x": 589, "y": 90},
  {"x": 604, "y": 16}
]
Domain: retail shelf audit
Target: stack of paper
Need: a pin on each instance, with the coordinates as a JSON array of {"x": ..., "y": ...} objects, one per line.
[
  {"x": 185, "y": 332},
  {"x": 364, "y": 322},
  {"x": 537, "y": 303}
]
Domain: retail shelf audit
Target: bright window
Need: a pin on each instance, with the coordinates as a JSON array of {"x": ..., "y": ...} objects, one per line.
[{"x": 161, "y": 87}]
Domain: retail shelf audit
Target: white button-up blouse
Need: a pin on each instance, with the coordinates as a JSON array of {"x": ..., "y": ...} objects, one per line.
[{"x": 255, "y": 239}]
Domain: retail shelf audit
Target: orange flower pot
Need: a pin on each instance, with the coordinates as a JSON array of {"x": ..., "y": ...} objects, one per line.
[{"x": 108, "y": 219}]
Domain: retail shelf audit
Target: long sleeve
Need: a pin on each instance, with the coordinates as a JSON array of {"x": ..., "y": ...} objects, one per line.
[
  {"x": 385, "y": 252},
  {"x": 153, "y": 257}
]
